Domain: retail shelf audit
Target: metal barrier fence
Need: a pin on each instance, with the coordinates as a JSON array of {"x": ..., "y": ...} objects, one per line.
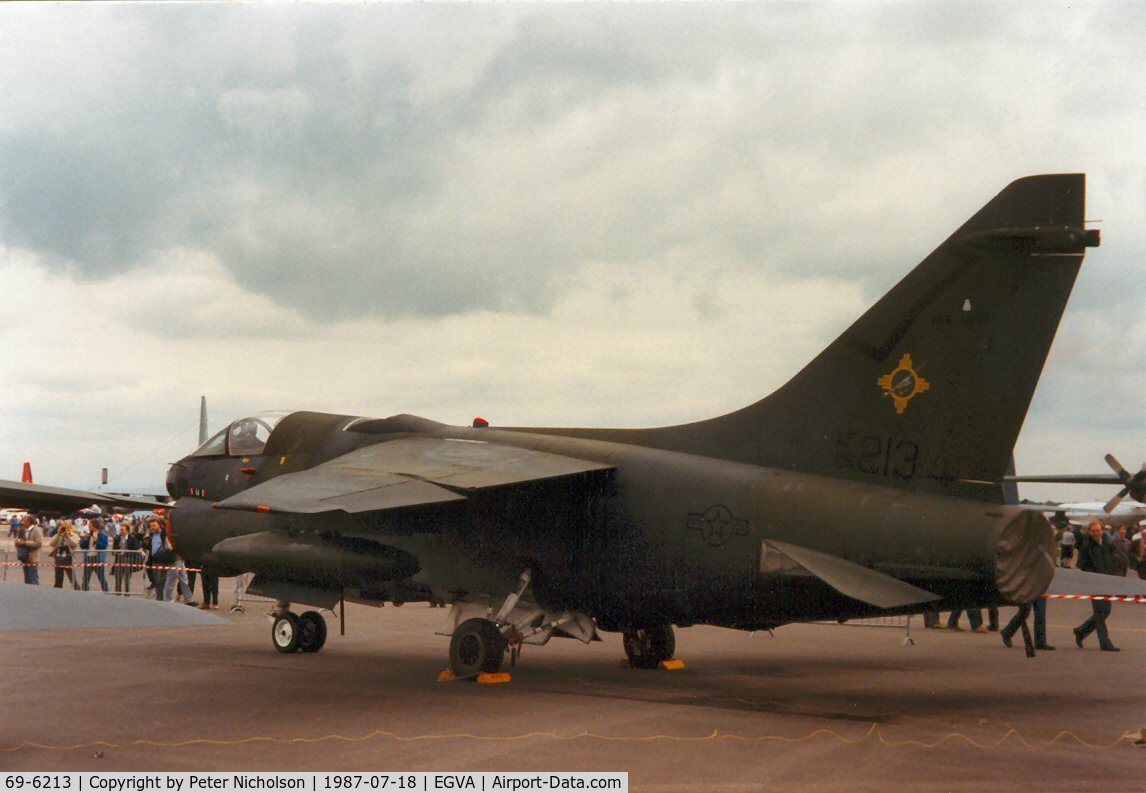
[
  {"x": 118, "y": 572},
  {"x": 241, "y": 595},
  {"x": 901, "y": 621},
  {"x": 114, "y": 571},
  {"x": 121, "y": 572}
]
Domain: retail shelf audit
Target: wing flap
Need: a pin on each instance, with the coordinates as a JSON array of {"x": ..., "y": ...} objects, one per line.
[{"x": 847, "y": 578}]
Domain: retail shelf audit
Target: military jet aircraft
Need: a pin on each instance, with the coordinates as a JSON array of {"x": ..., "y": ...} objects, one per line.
[{"x": 871, "y": 483}]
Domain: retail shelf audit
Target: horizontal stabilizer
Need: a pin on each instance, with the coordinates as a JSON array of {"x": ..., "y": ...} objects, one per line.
[
  {"x": 1068, "y": 581},
  {"x": 847, "y": 578}
]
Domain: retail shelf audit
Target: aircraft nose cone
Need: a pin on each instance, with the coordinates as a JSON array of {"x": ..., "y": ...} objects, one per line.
[{"x": 176, "y": 480}]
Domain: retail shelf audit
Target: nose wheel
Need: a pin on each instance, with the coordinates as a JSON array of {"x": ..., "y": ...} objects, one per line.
[
  {"x": 284, "y": 632},
  {"x": 306, "y": 632},
  {"x": 312, "y": 630}
]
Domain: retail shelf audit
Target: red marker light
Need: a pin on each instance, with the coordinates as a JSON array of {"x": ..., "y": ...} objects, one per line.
[
  {"x": 480, "y": 422},
  {"x": 263, "y": 508}
]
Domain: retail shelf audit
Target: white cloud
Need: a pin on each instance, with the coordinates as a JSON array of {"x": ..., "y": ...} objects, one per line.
[{"x": 618, "y": 215}]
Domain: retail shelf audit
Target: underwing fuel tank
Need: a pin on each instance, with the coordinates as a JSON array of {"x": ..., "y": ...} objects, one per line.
[{"x": 314, "y": 560}]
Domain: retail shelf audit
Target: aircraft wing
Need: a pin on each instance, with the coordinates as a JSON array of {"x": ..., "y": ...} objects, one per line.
[
  {"x": 405, "y": 472},
  {"x": 847, "y": 578},
  {"x": 61, "y": 499}
]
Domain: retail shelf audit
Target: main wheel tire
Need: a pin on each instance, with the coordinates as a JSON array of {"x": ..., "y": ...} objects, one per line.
[
  {"x": 312, "y": 631},
  {"x": 285, "y": 633},
  {"x": 477, "y": 646},
  {"x": 647, "y": 647}
]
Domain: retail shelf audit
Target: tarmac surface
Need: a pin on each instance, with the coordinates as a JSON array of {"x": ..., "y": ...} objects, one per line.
[{"x": 814, "y": 707}]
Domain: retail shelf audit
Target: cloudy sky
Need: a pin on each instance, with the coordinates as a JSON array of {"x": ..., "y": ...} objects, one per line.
[{"x": 542, "y": 214}]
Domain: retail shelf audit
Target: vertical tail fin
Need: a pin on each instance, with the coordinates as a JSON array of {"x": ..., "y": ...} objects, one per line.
[
  {"x": 202, "y": 420},
  {"x": 929, "y": 388},
  {"x": 26, "y": 476}
]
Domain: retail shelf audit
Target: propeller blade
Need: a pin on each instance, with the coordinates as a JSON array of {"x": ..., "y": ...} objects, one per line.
[
  {"x": 1114, "y": 502},
  {"x": 1123, "y": 474},
  {"x": 1135, "y": 485}
]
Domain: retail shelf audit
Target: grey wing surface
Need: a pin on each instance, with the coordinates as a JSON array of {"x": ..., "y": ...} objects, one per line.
[
  {"x": 405, "y": 472},
  {"x": 62, "y": 499}
]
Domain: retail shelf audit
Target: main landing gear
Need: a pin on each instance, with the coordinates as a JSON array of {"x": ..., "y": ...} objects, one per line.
[
  {"x": 477, "y": 647},
  {"x": 306, "y": 631},
  {"x": 482, "y": 631},
  {"x": 647, "y": 647}
]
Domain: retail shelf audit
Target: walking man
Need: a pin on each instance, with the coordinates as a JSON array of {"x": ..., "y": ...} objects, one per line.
[{"x": 1096, "y": 556}]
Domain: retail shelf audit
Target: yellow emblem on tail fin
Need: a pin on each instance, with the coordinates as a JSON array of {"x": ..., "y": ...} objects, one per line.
[{"x": 903, "y": 383}]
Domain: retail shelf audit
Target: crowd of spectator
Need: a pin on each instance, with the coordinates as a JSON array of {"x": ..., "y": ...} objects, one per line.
[
  {"x": 85, "y": 550},
  {"x": 1126, "y": 543}
]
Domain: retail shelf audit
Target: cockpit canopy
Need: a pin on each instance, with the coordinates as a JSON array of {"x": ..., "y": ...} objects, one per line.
[{"x": 243, "y": 437}]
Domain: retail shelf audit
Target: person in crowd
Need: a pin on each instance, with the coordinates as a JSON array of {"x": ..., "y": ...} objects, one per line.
[
  {"x": 29, "y": 540},
  {"x": 158, "y": 557},
  {"x": 178, "y": 576},
  {"x": 95, "y": 554},
  {"x": 1095, "y": 555},
  {"x": 210, "y": 588},
  {"x": 974, "y": 616},
  {"x": 60, "y": 547},
  {"x": 1067, "y": 544},
  {"x": 127, "y": 558},
  {"x": 1138, "y": 555},
  {"x": 1121, "y": 545},
  {"x": 1039, "y": 607}
]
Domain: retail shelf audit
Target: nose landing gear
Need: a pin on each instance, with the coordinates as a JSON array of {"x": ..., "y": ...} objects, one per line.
[{"x": 306, "y": 632}]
